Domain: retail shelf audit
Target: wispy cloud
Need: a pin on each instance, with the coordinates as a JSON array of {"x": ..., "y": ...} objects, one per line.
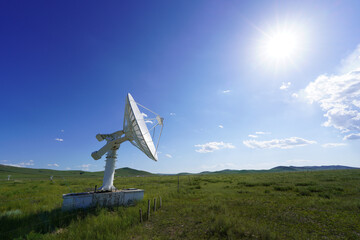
[
  {"x": 68, "y": 168},
  {"x": 21, "y": 164},
  {"x": 221, "y": 126},
  {"x": 295, "y": 95},
  {"x": 297, "y": 161},
  {"x": 144, "y": 114},
  {"x": 53, "y": 165},
  {"x": 172, "y": 114},
  {"x": 285, "y": 85},
  {"x": 338, "y": 96},
  {"x": 168, "y": 155},
  {"x": 62, "y": 130},
  {"x": 149, "y": 121},
  {"x": 226, "y": 91},
  {"x": 262, "y": 133},
  {"x": 85, "y": 167},
  {"x": 219, "y": 166},
  {"x": 59, "y": 139},
  {"x": 212, "y": 146},
  {"x": 331, "y": 145},
  {"x": 252, "y": 136},
  {"x": 352, "y": 136},
  {"x": 286, "y": 143}
]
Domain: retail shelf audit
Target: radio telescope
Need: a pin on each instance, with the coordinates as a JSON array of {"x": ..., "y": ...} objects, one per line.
[{"x": 136, "y": 132}]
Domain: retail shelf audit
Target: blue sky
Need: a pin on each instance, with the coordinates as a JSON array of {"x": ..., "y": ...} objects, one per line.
[{"x": 233, "y": 92}]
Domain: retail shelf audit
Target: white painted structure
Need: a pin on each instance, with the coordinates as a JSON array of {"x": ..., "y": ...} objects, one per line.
[
  {"x": 125, "y": 197},
  {"x": 135, "y": 131}
]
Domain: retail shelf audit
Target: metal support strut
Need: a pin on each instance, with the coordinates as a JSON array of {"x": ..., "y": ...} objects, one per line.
[{"x": 108, "y": 181}]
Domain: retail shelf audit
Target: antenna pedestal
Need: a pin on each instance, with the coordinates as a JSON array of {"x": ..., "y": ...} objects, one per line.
[{"x": 108, "y": 182}]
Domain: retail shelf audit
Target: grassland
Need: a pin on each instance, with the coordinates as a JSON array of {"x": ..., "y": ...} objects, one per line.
[{"x": 289, "y": 205}]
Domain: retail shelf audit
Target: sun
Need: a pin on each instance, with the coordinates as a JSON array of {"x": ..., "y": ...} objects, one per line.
[{"x": 281, "y": 45}]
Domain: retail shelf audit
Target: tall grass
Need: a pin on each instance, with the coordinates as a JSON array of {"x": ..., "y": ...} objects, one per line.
[{"x": 296, "y": 205}]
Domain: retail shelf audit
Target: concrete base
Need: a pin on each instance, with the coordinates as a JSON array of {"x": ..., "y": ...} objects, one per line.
[{"x": 124, "y": 197}]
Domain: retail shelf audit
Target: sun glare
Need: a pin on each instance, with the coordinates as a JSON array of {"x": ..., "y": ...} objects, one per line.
[{"x": 281, "y": 45}]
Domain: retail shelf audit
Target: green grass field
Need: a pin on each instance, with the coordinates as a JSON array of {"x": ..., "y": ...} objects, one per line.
[{"x": 287, "y": 205}]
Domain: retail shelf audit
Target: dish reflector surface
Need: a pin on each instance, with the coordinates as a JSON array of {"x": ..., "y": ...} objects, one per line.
[{"x": 136, "y": 129}]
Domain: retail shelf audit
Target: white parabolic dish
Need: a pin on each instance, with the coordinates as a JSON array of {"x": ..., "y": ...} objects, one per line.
[{"x": 136, "y": 130}]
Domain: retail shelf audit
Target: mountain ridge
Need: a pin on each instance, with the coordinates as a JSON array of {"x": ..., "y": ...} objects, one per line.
[{"x": 6, "y": 170}]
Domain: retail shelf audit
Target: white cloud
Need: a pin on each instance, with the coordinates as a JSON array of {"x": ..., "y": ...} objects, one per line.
[
  {"x": 149, "y": 121},
  {"x": 59, "y": 139},
  {"x": 53, "y": 165},
  {"x": 331, "y": 145},
  {"x": 85, "y": 167},
  {"x": 295, "y": 95},
  {"x": 351, "y": 62},
  {"x": 219, "y": 166},
  {"x": 356, "y": 103},
  {"x": 221, "y": 126},
  {"x": 262, "y": 133},
  {"x": 339, "y": 96},
  {"x": 212, "y": 146},
  {"x": 68, "y": 168},
  {"x": 172, "y": 114},
  {"x": 352, "y": 136},
  {"x": 297, "y": 161},
  {"x": 21, "y": 164},
  {"x": 285, "y": 85},
  {"x": 29, "y": 163},
  {"x": 278, "y": 143},
  {"x": 62, "y": 130},
  {"x": 144, "y": 114},
  {"x": 252, "y": 136},
  {"x": 226, "y": 91},
  {"x": 168, "y": 155}
]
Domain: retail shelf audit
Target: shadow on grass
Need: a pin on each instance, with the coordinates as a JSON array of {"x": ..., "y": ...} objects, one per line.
[{"x": 19, "y": 226}]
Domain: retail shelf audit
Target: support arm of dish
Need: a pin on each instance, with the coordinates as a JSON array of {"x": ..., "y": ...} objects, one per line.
[
  {"x": 113, "y": 142},
  {"x": 109, "y": 137}
]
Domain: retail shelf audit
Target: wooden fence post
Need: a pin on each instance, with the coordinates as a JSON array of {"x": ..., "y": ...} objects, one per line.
[
  {"x": 140, "y": 212},
  {"x": 148, "y": 210},
  {"x": 160, "y": 203}
]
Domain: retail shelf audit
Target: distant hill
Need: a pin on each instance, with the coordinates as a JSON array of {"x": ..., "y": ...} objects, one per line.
[
  {"x": 129, "y": 172},
  {"x": 184, "y": 173},
  {"x": 282, "y": 169},
  {"x": 309, "y": 168},
  {"x": 6, "y": 170},
  {"x": 19, "y": 172},
  {"x": 230, "y": 171}
]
